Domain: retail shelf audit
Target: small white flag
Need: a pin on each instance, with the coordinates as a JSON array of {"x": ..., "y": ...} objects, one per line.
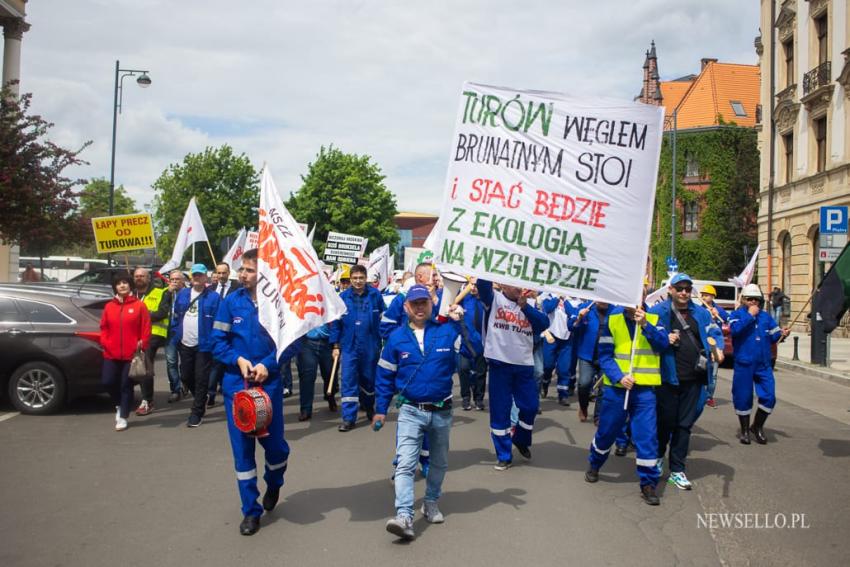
[
  {"x": 233, "y": 258},
  {"x": 293, "y": 296},
  {"x": 191, "y": 231},
  {"x": 379, "y": 266},
  {"x": 746, "y": 276}
]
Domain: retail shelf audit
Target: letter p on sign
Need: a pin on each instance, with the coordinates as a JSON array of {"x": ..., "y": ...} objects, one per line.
[{"x": 833, "y": 220}]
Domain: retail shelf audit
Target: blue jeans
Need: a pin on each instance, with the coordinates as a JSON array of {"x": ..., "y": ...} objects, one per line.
[
  {"x": 413, "y": 425},
  {"x": 172, "y": 364},
  {"x": 777, "y": 314},
  {"x": 315, "y": 355}
]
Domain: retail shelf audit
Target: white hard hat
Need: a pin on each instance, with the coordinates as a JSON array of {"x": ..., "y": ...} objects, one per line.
[{"x": 752, "y": 290}]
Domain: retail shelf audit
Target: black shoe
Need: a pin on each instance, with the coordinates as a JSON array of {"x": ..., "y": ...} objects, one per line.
[
  {"x": 544, "y": 390},
  {"x": 250, "y": 525},
  {"x": 194, "y": 421},
  {"x": 304, "y": 416},
  {"x": 523, "y": 449},
  {"x": 270, "y": 499},
  {"x": 647, "y": 492},
  {"x": 332, "y": 403},
  {"x": 346, "y": 426},
  {"x": 370, "y": 413},
  {"x": 744, "y": 434},
  {"x": 480, "y": 406},
  {"x": 174, "y": 397},
  {"x": 503, "y": 465},
  {"x": 758, "y": 426},
  {"x": 620, "y": 451},
  {"x": 563, "y": 402},
  {"x": 591, "y": 475},
  {"x": 466, "y": 405},
  {"x": 210, "y": 401}
]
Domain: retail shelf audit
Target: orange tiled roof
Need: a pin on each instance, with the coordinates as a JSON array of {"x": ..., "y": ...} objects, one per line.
[{"x": 711, "y": 94}]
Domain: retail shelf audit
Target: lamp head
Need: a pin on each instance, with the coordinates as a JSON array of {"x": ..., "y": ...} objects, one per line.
[{"x": 144, "y": 81}]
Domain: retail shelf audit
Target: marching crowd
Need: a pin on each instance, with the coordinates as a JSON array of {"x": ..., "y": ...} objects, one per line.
[{"x": 647, "y": 370}]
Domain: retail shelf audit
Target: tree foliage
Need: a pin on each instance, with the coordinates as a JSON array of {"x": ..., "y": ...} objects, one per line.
[
  {"x": 38, "y": 201},
  {"x": 94, "y": 200},
  {"x": 729, "y": 161},
  {"x": 226, "y": 188},
  {"x": 345, "y": 193}
]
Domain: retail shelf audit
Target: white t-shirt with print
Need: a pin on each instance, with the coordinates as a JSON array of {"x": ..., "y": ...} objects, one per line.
[
  {"x": 190, "y": 322},
  {"x": 509, "y": 336}
]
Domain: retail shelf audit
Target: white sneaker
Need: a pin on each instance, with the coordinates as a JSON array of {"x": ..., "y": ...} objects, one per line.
[
  {"x": 120, "y": 423},
  {"x": 432, "y": 513}
]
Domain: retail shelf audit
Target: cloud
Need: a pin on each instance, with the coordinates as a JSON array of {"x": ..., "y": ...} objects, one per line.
[{"x": 278, "y": 80}]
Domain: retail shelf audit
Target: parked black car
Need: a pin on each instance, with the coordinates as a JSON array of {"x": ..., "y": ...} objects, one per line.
[
  {"x": 104, "y": 276},
  {"x": 50, "y": 343}
]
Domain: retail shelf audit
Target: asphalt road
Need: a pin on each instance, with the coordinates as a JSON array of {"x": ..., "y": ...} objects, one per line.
[{"x": 75, "y": 492}]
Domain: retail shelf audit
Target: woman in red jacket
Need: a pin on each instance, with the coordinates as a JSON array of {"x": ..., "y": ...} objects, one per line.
[{"x": 124, "y": 326}]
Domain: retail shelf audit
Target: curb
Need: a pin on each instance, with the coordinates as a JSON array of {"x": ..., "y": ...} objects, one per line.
[{"x": 815, "y": 371}]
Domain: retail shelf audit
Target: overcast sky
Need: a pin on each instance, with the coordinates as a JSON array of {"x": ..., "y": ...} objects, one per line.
[{"x": 277, "y": 80}]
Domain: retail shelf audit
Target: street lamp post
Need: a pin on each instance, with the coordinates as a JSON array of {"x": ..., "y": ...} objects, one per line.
[{"x": 143, "y": 81}]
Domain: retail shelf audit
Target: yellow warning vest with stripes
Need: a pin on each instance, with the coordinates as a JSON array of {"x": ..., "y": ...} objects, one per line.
[
  {"x": 646, "y": 365},
  {"x": 152, "y": 301}
]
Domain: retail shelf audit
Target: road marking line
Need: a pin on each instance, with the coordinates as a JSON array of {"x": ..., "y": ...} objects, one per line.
[{"x": 6, "y": 416}]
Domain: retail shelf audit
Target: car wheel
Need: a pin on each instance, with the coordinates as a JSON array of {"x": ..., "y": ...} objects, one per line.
[{"x": 37, "y": 388}]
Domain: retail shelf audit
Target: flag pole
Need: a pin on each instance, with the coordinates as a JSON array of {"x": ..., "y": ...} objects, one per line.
[
  {"x": 809, "y": 300},
  {"x": 211, "y": 253},
  {"x": 631, "y": 363}
]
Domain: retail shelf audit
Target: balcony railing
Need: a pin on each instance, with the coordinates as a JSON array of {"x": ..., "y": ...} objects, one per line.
[{"x": 818, "y": 77}]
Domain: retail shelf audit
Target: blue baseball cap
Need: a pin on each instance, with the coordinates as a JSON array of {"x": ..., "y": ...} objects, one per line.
[
  {"x": 417, "y": 292},
  {"x": 678, "y": 278},
  {"x": 198, "y": 269}
]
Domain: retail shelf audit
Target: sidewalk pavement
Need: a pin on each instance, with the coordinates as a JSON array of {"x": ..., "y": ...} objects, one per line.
[{"x": 839, "y": 358}]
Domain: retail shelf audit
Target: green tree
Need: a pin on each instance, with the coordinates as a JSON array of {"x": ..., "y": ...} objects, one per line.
[
  {"x": 345, "y": 193},
  {"x": 94, "y": 200},
  {"x": 729, "y": 164},
  {"x": 38, "y": 201},
  {"x": 226, "y": 188}
]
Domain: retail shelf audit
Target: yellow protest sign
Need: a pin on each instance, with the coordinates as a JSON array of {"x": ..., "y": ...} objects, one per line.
[{"x": 120, "y": 233}]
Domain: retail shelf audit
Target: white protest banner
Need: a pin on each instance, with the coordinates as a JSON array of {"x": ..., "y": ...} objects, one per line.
[
  {"x": 551, "y": 192},
  {"x": 344, "y": 248},
  {"x": 253, "y": 240},
  {"x": 191, "y": 231},
  {"x": 233, "y": 258},
  {"x": 293, "y": 295}
]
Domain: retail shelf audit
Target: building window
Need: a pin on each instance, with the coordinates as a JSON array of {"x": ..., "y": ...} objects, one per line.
[
  {"x": 692, "y": 216},
  {"x": 405, "y": 240},
  {"x": 691, "y": 165},
  {"x": 820, "y": 142},
  {"x": 788, "y": 48},
  {"x": 738, "y": 108},
  {"x": 823, "y": 39},
  {"x": 786, "y": 263},
  {"x": 788, "y": 142}
]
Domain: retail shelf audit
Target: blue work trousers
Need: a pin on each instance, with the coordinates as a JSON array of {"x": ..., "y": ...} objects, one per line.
[
  {"x": 275, "y": 446},
  {"x": 511, "y": 383},
  {"x": 641, "y": 413},
  {"x": 358, "y": 381},
  {"x": 315, "y": 355},
  {"x": 745, "y": 377}
]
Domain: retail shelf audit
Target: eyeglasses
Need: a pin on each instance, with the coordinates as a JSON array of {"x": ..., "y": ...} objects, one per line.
[
  {"x": 680, "y": 289},
  {"x": 752, "y": 299}
]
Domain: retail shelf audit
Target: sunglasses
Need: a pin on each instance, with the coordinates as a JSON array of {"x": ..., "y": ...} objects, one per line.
[{"x": 680, "y": 289}]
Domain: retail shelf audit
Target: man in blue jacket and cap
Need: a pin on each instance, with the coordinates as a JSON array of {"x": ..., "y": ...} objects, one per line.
[
  {"x": 685, "y": 367},
  {"x": 416, "y": 366}
]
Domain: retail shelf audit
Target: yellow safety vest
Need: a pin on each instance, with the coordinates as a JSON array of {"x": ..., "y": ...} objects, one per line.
[
  {"x": 646, "y": 365},
  {"x": 152, "y": 301}
]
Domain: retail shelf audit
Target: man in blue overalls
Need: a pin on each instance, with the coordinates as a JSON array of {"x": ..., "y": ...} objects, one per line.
[
  {"x": 356, "y": 337},
  {"x": 249, "y": 354}
]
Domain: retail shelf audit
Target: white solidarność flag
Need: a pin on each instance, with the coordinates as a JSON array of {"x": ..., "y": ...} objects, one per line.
[
  {"x": 293, "y": 295},
  {"x": 746, "y": 276},
  {"x": 379, "y": 266},
  {"x": 191, "y": 231},
  {"x": 233, "y": 258},
  {"x": 551, "y": 192}
]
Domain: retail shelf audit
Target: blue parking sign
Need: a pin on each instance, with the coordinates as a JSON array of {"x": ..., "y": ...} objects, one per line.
[{"x": 833, "y": 220}]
